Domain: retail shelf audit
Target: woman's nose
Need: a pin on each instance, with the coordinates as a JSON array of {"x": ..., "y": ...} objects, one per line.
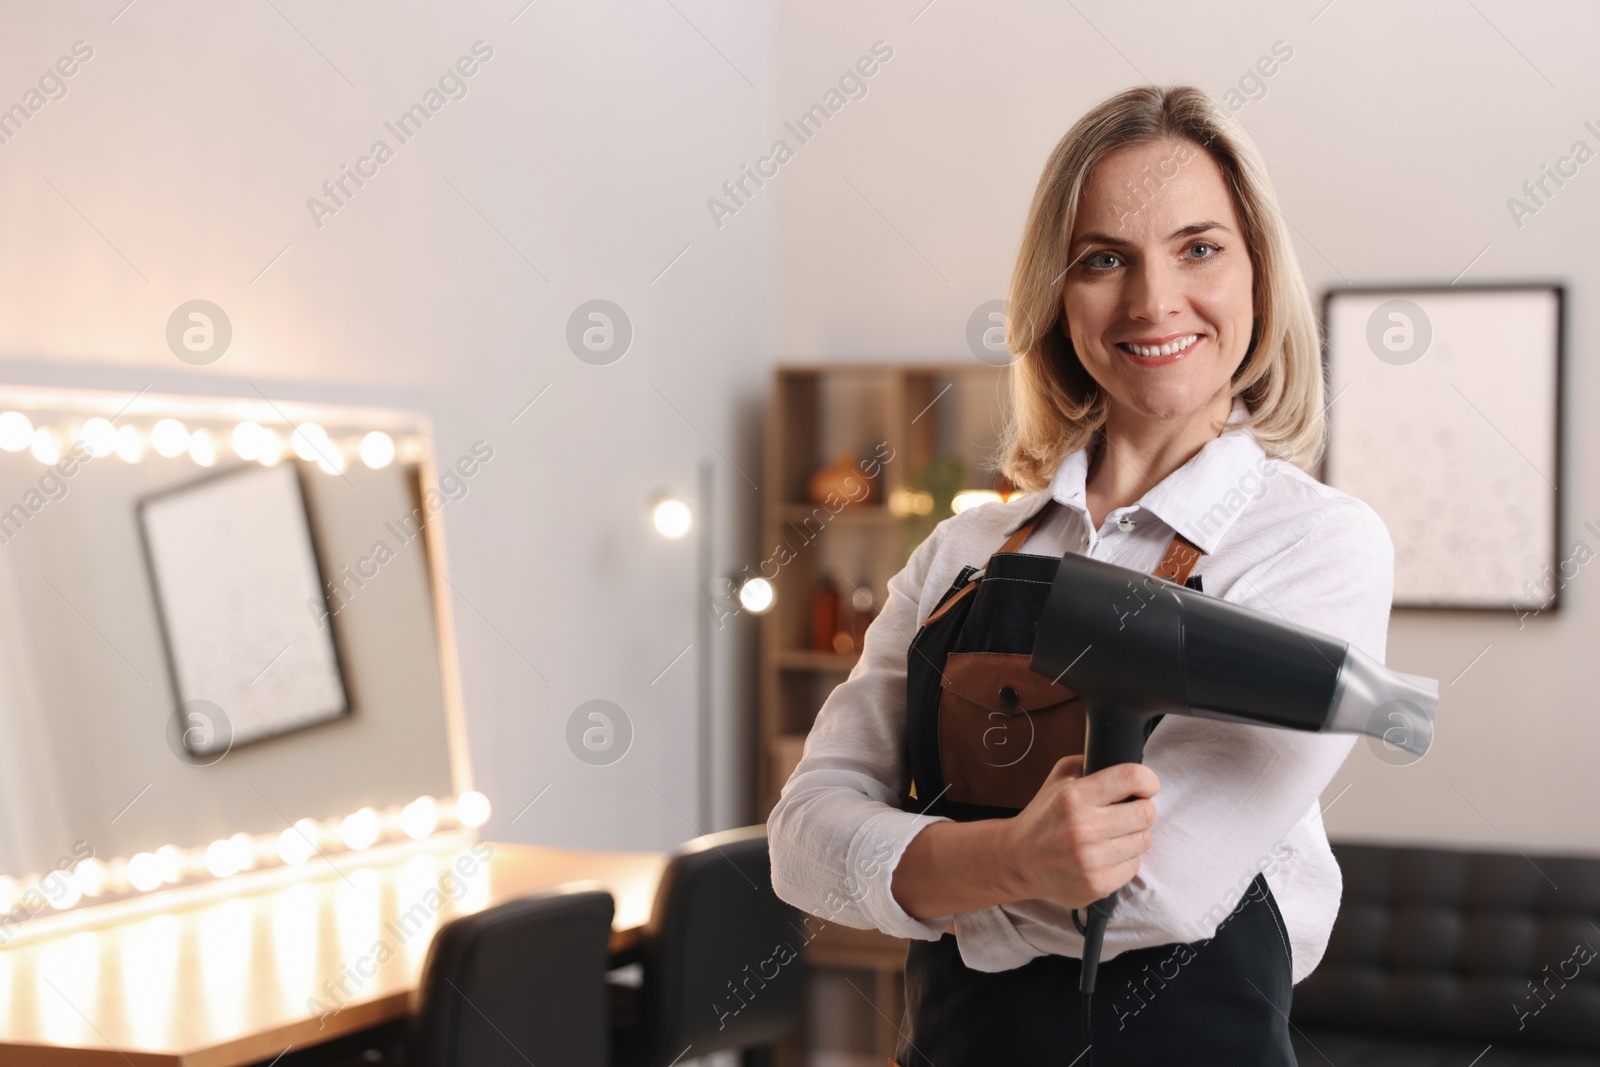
[{"x": 1154, "y": 292}]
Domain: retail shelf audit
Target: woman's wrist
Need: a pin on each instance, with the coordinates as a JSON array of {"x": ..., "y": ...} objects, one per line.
[
  {"x": 954, "y": 867},
  {"x": 1005, "y": 861}
]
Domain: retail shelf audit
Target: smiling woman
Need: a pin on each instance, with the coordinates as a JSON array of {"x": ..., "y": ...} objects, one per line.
[{"x": 1166, "y": 416}]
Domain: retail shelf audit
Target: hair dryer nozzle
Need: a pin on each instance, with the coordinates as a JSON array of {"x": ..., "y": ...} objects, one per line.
[{"x": 1394, "y": 707}]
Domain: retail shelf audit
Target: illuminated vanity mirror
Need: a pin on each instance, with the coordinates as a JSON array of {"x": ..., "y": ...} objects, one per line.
[{"x": 222, "y": 645}]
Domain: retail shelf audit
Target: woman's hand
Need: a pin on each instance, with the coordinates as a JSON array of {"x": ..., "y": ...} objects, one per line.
[{"x": 1075, "y": 842}]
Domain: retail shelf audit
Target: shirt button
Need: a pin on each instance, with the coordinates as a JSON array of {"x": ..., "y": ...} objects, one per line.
[
  {"x": 1126, "y": 523},
  {"x": 1085, "y": 541}
]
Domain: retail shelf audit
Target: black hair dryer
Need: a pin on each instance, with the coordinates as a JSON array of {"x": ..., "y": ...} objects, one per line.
[{"x": 1133, "y": 646}]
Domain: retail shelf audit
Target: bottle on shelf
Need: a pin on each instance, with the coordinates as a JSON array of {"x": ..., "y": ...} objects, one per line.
[
  {"x": 864, "y": 609},
  {"x": 824, "y": 614}
]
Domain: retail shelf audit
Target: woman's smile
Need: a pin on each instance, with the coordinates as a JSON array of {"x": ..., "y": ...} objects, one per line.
[{"x": 1153, "y": 352}]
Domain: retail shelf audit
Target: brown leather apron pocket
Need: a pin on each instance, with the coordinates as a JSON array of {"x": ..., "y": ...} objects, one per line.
[{"x": 1002, "y": 727}]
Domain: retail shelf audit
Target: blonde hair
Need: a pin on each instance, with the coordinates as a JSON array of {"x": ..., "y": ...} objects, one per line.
[{"x": 1056, "y": 407}]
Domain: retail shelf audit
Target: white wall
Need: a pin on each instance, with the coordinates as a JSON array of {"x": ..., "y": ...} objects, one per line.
[
  {"x": 1394, "y": 134},
  {"x": 188, "y": 145}
]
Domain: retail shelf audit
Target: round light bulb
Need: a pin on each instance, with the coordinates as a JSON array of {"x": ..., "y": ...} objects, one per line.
[
  {"x": 68, "y": 894},
  {"x": 169, "y": 859},
  {"x": 169, "y": 438},
  {"x": 246, "y": 439},
  {"x": 46, "y": 445},
  {"x": 757, "y": 596},
  {"x": 419, "y": 818},
  {"x": 377, "y": 450},
  {"x": 219, "y": 858},
  {"x": 92, "y": 877},
  {"x": 144, "y": 871},
  {"x": 332, "y": 461},
  {"x": 359, "y": 829},
  {"x": 130, "y": 445},
  {"x": 202, "y": 449},
  {"x": 310, "y": 441},
  {"x": 242, "y": 848},
  {"x": 295, "y": 845},
  {"x": 269, "y": 448},
  {"x": 16, "y": 432},
  {"x": 99, "y": 437},
  {"x": 472, "y": 809},
  {"x": 672, "y": 518}
]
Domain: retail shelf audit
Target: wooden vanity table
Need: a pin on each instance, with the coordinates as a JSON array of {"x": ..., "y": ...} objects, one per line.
[{"x": 240, "y": 979}]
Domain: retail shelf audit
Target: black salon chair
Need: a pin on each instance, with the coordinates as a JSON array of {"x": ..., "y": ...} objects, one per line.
[
  {"x": 519, "y": 983},
  {"x": 718, "y": 965}
]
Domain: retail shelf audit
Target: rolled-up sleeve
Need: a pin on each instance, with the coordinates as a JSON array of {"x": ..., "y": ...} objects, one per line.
[{"x": 838, "y": 831}]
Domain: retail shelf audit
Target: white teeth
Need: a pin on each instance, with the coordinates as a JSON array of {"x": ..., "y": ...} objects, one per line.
[{"x": 1168, "y": 349}]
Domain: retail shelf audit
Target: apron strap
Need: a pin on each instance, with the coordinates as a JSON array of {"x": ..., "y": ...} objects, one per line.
[
  {"x": 1014, "y": 542},
  {"x": 1182, "y": 555}
]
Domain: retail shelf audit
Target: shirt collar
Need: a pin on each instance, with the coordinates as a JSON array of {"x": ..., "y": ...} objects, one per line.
[{"x": 1200, "y": 499}]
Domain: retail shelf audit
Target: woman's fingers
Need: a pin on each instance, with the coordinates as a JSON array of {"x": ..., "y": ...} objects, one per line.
[
  {"x": 1111, "y": 784},
  {"x": 1115, "y": 820}
]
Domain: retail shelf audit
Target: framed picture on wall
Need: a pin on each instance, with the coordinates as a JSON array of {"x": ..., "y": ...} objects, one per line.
[
  {"x": 1444, "y": 414},
  {"x": 243, "y": 609}
]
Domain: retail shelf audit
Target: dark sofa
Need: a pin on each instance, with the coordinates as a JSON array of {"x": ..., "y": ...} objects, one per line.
[{"x": 1467, "y": 959}]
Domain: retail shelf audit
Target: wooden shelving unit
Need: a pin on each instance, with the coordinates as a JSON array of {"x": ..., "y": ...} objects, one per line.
[{"x": 919, "y": 413}]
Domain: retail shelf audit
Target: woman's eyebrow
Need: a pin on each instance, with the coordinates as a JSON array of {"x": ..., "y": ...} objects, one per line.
[{"x": 1190, "y": 230}]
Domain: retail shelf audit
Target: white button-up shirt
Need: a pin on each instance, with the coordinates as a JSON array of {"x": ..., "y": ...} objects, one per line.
[{"x": 1235, "y": 799}]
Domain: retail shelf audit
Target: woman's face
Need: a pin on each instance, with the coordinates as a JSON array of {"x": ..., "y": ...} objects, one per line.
[{"x": 1158, "y": 300}]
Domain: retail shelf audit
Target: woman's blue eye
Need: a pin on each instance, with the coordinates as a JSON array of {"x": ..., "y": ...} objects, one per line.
[{"x": 1095, "y": 261}]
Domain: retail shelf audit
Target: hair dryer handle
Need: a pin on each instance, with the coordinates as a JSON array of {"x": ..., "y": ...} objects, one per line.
[{"x": 1113, "y": 736}]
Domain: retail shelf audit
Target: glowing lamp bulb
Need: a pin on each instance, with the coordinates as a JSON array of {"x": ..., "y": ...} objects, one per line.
[
  {"x": 269, "y": 448},
  {"x": 169, "y": 438},
  {"x": 757, "y": 596},
  {"x": 419, "y": 818},
  {"x": 296, "y": 844},
  {"x": 242, "y": 849},
  {"x": 169, "y": 860},
  {"x": 472, "y": 809},
  {"x": 246, "y": 439},
  {"x": 359, "y": 829},
  {"x": 377, "y": 450},
  {"x": 46, "y": 445},
  {"x": 202, "y": 449},
  {"x": 130, "y": 445},
  {"x": 16, "y": 432},
  {"x": 99, "y": 437},
  {"x": 92, "y": 877},
  {"x": 310, "y": 441},
  {"x": 144, "y": 871},
  {"x": 69, "y": 895},
  {"x": 219, "y": 859},
  {"x": 672, "y": 518}
]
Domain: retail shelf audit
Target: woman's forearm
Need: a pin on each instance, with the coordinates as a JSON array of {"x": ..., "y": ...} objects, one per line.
[{"x": 952, "y": 867}]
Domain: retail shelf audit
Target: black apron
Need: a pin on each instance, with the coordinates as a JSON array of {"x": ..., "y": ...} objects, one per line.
[{"x": 982, "y": 733}]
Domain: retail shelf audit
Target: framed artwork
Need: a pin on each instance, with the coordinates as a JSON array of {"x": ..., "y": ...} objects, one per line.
[
  {"x": 240, "y": 593},
  {"x": 1444, "y": 414}
]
